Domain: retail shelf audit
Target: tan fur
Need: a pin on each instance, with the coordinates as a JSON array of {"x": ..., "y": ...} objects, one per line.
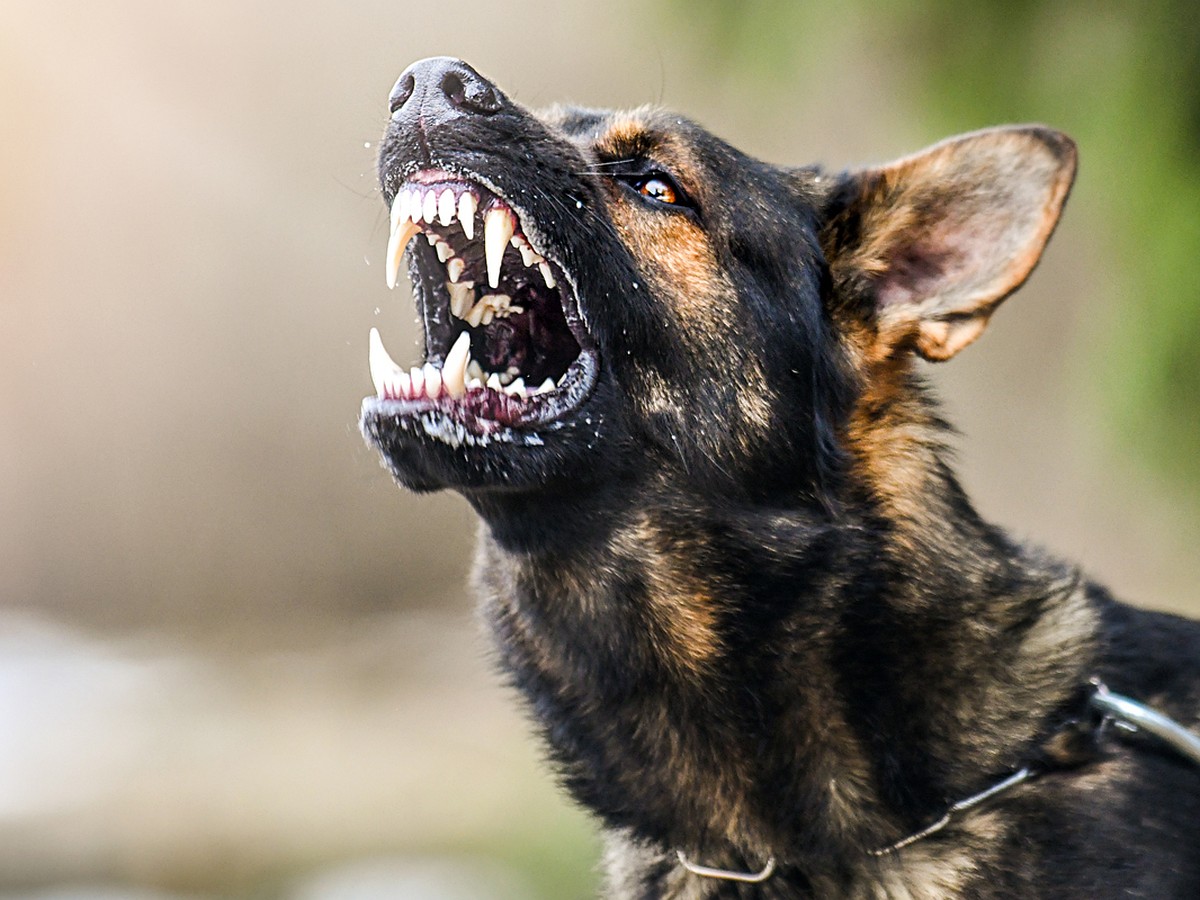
[
  {"x": 893, "y": 440},
  {"x": 681, "y": 266},
  {"x": 682, "y": 604}
]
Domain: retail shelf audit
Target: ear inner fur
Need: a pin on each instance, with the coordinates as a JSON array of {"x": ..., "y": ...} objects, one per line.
[{"x": 942, "y": 237}]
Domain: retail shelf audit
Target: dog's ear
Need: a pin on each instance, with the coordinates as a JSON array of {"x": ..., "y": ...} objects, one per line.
[{"x": 935, "y": 241}]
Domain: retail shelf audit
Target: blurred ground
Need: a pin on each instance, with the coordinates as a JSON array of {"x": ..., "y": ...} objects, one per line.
[{"x": 234, "y": 659}]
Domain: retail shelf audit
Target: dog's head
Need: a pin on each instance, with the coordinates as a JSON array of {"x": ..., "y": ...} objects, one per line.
[{"x": 612, "y": 298}]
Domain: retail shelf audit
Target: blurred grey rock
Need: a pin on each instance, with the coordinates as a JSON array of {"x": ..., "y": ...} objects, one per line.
[{"x": 401, "y": 878}]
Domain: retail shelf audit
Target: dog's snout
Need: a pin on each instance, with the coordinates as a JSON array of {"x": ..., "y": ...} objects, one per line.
[{"x": 442, "y": 87}]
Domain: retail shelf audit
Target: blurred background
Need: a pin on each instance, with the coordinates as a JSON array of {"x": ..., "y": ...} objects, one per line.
[{"x": 235, "y": 660}]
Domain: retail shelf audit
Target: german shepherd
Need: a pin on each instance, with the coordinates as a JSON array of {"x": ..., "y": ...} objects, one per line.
[{"x": 769, "y": 642}]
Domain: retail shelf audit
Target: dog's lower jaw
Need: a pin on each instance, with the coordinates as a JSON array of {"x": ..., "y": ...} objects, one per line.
[{"x": 701, "y": 689}]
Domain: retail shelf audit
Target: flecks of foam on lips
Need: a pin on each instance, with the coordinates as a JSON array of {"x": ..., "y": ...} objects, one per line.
[{"x": 433, "y": 209}]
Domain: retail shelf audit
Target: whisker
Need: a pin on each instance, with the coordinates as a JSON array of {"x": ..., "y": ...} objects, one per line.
[{"x": 591, "y": 167}]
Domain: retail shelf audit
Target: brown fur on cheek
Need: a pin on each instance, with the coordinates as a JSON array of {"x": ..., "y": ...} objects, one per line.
[
  {"x": 682, "y": 273},
  {"x": 681, "y": 266}
]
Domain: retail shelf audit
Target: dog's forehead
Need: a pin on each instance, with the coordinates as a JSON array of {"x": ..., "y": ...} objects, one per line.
[
  {"x": 645, "y": 132},
  {"x": 713, "y": 171}
]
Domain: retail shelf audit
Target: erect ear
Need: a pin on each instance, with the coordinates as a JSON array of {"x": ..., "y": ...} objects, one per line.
[{"x": 935, "y": 241}]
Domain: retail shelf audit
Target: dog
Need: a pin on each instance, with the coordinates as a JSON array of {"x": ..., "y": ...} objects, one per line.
[{"x": 766, "y": 637}]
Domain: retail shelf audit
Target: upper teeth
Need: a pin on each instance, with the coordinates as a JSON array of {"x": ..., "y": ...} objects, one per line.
[
  {"x": 403, "y": 230},
  {"x": 429, "y": 207},
  {"x": 412, "y": 208},
  {"x": 466, "y": 214},
  {"x": 498, "y": 227},
  {"x": 446, "y": 207}
]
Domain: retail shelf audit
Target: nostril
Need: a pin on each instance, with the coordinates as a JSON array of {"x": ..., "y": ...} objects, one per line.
[
  {"x": 470, "y": 92},
  {"x": 401, "y": 92},
  {"x": 454, "y": 89}
]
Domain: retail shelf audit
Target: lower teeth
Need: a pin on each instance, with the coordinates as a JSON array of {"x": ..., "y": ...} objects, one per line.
[{"x": 428, "y": 382}]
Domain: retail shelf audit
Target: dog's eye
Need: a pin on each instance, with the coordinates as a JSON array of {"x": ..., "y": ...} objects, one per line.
[
  {"x": 656, "y": 186},
  {"x": 659, "y": 187}
]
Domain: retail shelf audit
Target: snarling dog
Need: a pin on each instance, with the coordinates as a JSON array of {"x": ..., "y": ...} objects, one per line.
[{"x": 766, "y": 637}]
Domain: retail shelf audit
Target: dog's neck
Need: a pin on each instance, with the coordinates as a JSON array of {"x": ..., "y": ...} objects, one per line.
[{"x": 741, "y": 682}]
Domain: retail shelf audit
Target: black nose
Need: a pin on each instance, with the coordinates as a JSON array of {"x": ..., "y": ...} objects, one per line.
[{"x": 441, "y": 88}]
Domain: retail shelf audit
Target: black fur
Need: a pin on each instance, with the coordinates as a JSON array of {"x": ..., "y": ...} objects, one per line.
[{"x": 781, "y": 630}]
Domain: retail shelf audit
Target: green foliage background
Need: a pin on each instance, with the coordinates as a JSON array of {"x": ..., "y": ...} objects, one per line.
[{"x": 1124, "y": 80}]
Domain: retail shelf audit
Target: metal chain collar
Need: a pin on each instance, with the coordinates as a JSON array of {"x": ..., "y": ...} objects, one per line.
[{"x": 1106, "y": 708}]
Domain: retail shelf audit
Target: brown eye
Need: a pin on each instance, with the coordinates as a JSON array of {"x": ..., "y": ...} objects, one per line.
[
  {"x": 660, "y": 189},
  {"x": 657, "y": 188}
]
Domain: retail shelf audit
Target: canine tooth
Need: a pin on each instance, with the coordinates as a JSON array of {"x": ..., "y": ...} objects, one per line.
[
  {"x": 429, "y": 207},
  {"x": 417, "y": 376},
  {"x": 401, "y": 235},
  {"x": 547, "y": 275},
  {"x": 455, "y": 267},
  {"x": 516, "y": 387},
  {"x": 433, "y": 381},
  {"x": 444, "y": 251},
  {"x": 454, "y": 369},
  {"x": 493, "y": 382},
  {"x": 547, "y": 385},
  {"x": 466, "y": 214},
  {"x": 445, "y": 211},
  {"x": 382, "y": 365},
  {"x": 498, "y": 227}
]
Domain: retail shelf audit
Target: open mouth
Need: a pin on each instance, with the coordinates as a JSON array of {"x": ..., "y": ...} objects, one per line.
[{"x": 505, "y": 343}]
